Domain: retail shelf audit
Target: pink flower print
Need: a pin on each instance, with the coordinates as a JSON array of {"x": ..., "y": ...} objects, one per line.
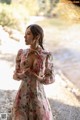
[{"x": 18, "y": 97}]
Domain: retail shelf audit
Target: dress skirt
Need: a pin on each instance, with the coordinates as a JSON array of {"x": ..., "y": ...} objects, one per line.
[{"x": 31, "y": 102}]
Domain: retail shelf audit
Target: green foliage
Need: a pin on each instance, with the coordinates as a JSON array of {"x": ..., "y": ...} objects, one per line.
[
  {"x": 16, "y": 15},
  {"x": 12, "y": 16},
  {"x": 6, "y": 1}
]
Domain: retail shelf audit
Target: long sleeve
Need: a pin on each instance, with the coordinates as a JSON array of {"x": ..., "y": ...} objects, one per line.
[
  {"x": 23, "y": 66},
  {"x": 17, "y": 66},
  {"x": 49, "y": 70}
]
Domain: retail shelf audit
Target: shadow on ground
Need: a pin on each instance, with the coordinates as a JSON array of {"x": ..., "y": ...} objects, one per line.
[{"x": 63, "y": 111}]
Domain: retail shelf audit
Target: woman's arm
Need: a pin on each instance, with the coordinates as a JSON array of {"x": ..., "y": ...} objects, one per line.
[
  {"x": 23, "y": 68},
  {"x": 48, "y": 77},
  {"x": 17, "y": 66}
]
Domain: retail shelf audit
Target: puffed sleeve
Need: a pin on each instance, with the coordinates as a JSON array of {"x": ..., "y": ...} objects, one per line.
[
  {"x": 49, "y": 70},
  {"x": 17, "y": 65}
]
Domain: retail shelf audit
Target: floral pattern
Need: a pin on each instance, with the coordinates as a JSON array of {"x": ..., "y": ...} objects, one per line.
[{"x": 31, "y": 102}]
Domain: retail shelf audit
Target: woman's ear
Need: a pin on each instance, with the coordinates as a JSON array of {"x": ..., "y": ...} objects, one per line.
[{"x": 38, "y": 37}]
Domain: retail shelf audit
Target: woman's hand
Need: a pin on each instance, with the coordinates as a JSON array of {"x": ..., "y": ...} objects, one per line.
[
  {"x": 15, "y": 77},
  {"x": 37, "y": 76}
]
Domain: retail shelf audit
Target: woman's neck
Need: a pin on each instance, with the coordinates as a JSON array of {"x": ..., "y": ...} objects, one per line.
[{"x": 34, "y": 47}]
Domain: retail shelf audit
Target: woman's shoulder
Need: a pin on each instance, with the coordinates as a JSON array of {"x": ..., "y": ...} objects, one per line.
[
  {"x": 47, "y": 52},
  {"x": 22, "y": 51}
]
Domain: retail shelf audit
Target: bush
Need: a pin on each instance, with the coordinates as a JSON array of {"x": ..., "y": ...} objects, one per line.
[
  {"x": 6, "y": 1},
  {"x": 12, "y": 17}
]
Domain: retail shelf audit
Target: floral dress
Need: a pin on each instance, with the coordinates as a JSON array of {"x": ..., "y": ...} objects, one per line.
[{"x": 31, "y": 102}]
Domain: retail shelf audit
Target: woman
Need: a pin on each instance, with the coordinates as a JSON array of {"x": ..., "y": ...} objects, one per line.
[{"x": 34, "y": 68}]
